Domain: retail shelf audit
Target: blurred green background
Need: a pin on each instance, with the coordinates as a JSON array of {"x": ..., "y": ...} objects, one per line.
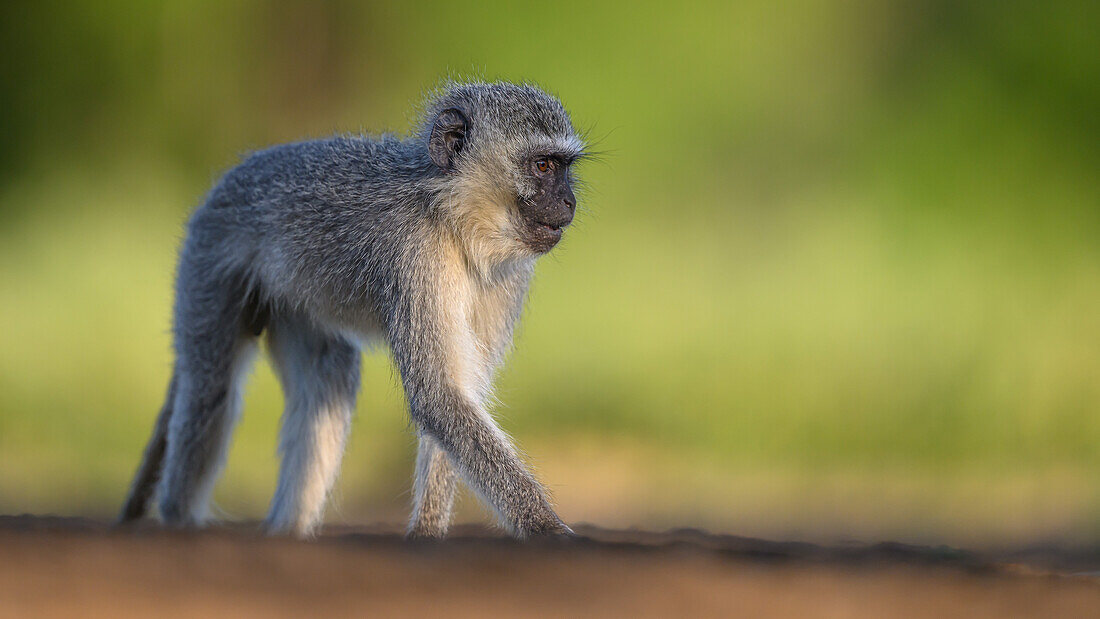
[{"x": 837, "y": 274}]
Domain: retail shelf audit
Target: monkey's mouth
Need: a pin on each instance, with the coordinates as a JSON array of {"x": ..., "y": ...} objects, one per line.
[{"x": 542, "y": 237}]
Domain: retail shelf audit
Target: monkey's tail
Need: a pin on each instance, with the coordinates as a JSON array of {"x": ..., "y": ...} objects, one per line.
[{"x": 145, "y": 481}]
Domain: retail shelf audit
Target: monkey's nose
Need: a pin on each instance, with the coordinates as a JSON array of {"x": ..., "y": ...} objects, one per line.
[{"x": 569, "y": 201}]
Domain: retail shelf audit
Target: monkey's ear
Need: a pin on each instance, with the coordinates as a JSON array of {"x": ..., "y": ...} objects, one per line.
[{"x": 448, "y": 137}]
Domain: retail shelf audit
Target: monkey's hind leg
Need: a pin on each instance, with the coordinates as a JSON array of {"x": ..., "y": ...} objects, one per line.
[
  {"x": 320, "y": 376},
  {"x": 207, "y": 406},
  {"x": 433, "y": 490},
  {"x": 215, "y": 345},
  {"x": 148, "y": 473}
]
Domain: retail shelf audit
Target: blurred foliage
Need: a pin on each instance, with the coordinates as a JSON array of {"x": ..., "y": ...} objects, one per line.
[{"x": 825, "y": 240}]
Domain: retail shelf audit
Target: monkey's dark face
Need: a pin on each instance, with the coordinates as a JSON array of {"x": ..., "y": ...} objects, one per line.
[{"x": 550, "y": 208}]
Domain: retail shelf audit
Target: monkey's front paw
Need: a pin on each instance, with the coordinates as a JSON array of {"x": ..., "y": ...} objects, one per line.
[{"x": 550, "y": 529}]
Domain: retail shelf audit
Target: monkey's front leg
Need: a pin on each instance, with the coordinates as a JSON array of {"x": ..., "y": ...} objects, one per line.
[
  {"x": 487, "y": 461},
  {"x": 433, "y": 490},
  {"x": 478, "y": 449}
]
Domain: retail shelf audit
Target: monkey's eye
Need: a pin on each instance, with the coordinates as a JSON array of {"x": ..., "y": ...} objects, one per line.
[{"x": 542, "y": 165}]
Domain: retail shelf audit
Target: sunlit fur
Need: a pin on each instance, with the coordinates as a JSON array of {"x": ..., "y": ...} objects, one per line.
[
  {"x": 334, "y": 243},
  {"x": 320, "y": 375}
]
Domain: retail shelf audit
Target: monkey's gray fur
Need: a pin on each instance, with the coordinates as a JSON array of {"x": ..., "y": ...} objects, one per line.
[{"x": 426, "y": 243}]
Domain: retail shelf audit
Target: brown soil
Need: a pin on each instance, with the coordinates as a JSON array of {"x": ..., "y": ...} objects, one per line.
[{"x": 61, "y": 567}]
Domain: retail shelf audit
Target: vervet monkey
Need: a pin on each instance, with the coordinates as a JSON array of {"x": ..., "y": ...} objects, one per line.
[{"x": 425, "y": 243}]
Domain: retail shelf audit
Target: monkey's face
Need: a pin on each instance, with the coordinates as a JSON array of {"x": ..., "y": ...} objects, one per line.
[
  {"x": 548, "y": 208},
  {"x": 505, "y": 154}
]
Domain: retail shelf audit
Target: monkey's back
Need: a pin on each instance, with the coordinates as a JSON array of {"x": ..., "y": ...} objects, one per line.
[{"x": 322, "y": 222}]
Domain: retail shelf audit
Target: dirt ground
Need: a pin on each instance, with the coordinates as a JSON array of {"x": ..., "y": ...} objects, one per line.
[{"x": 63, "y": 567}]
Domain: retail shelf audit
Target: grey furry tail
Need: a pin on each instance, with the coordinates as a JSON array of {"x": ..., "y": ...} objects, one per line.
[{"x": 148, "y": 474}]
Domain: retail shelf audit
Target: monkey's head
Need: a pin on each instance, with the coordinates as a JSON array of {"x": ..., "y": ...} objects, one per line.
[{"x": 505, "y": 154}]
